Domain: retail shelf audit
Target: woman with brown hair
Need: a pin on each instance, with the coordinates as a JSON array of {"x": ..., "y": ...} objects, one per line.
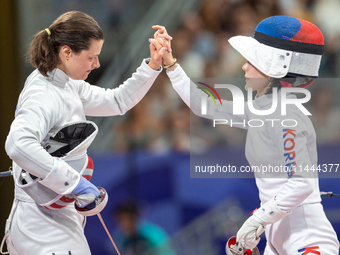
[{"x": 49, "y": 136}]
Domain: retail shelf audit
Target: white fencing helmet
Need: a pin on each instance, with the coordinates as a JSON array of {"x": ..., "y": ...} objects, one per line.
[{"x": 283, "y": 46}]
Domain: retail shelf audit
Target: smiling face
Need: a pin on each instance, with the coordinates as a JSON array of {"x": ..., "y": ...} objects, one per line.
[
  {"x": 78, "y": 66},
  {"x": 255, "y": 79}
]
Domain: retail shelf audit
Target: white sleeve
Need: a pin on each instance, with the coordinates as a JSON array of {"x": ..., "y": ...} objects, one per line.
[
  {"x": 35, "y": 117},
  {"x": 98, "y": 101},
  {"x": 293, "y": 145},
  {"x": 192, "y": 97}
]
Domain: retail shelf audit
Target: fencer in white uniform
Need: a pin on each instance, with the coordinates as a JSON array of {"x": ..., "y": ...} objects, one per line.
[
  {"x": 305, "y": 224},
  {"x": 45, "y": 105},
  {"x": 286, "y": 52},
  {"x": 49, "y": 137}
]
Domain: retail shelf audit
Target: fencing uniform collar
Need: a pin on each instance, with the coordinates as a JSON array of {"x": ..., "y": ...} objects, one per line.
[
  {"x": 264, "y": 101},
  {"x": 58, "y": 77}
]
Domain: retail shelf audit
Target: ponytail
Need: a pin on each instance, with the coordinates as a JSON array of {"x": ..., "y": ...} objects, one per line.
[{"x": 41, "y": 54}]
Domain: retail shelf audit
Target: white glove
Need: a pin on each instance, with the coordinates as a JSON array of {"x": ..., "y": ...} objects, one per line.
[
  {"x": 248, "y": 234},
  {"x": 253, "y": 227}
]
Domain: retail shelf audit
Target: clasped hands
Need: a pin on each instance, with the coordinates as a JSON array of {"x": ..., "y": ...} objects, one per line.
[{"x": 160, "y": 49}]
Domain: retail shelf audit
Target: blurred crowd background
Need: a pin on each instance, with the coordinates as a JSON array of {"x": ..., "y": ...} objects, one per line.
[{"x": 143, "y": 157}]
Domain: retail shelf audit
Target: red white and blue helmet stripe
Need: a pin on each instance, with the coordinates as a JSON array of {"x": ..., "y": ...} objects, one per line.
[{"x": 290, "y": 33}]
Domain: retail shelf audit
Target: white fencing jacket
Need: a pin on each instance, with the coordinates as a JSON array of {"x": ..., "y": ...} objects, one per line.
[
  {"x": 269, "y": 145},
  {"x": 48, "y": 103}
]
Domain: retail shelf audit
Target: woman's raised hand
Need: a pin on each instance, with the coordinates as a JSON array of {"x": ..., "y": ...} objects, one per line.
[{"x": 163, "y": 39}]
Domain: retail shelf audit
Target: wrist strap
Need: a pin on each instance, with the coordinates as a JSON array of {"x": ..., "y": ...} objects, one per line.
[{"x": 172, "y": 64}]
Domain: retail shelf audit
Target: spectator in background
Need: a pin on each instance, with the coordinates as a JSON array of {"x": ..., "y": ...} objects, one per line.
[
  {"x": 243, "y": 20},
  {"x": 201, "y": 38},
  {"x": 139, "y": 237},
  {"x": 216, "y": 15},
  {"x": 139, "y": 129},
  {"x": 146, "y": 126},
  {"x": 298, "y": 8},
  {"x": 186, "y": 55},
  {"x": 326, "y": 14},
  {"x": 265, "y": 8}
]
